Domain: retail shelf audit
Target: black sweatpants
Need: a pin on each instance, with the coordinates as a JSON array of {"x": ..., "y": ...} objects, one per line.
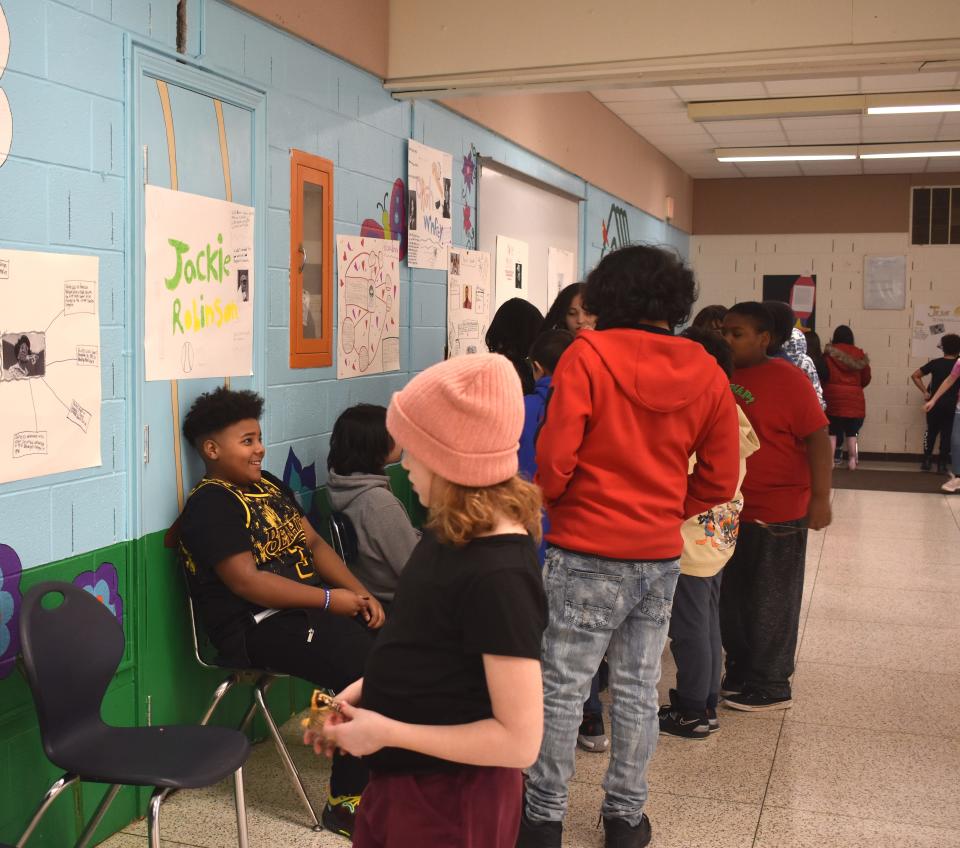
[
  {"x": 328, "y": 650},
  {"x": 695, "y": 641},
  {"x": 760, "y": 606},
  {"x": 939, "y": 425}
]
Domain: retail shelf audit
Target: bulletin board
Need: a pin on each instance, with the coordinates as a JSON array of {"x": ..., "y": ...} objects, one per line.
[{"x": 515, "y": 206}]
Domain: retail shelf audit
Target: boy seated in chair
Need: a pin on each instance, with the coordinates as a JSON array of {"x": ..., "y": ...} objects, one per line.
[{"x": 269, "y": 592}]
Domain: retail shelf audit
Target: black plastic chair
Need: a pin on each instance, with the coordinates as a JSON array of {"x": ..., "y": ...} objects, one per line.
[
  {"x": 70, "y": 654},
  {"x": 344, "y": 537}
]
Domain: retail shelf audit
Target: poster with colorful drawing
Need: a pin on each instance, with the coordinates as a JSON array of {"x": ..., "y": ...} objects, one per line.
[
  {"x": 199, "y": 286},
  {"x": 49, "y": 363},
  {"x": 931, "y": 322},
  {"x": 429, "y": 224},
  {"x": 511, "y": 272},
  {"x": 561, "y": 271},
  {"x": 468, "y": 301},
  {"x": 368, "y": 306}
]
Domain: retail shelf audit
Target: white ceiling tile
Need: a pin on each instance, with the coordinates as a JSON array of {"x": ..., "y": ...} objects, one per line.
[
  {"x": 919, "y": 123},
  {"x": 893, "y": 166},
  {"x": 612, "y": 95},
  {"x": 824, "y": 136},
  {"x": 647, "y": 107},
  {"x": 909, "y": 82},
  {"x": 729, "y": 139},
  {"x": 721, "y": 91},
  {"x": 659, "y": 119},
  {"x": 812, "y": 88},
  {"x": 765, "y": 125},
  {"x": 941, "y": 164},
  {"x": 881, "y": 135},
  {"x": 822, "y": 169},
  {"x": 769, "y": 169},
  {"x": 689, "y": 132},
  {"x": 829, "y": 122}
]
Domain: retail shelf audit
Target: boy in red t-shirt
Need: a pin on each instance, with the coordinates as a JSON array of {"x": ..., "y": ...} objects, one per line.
[{"x": 785, "y": 493}]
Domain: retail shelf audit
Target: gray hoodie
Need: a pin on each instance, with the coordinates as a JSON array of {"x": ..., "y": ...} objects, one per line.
[{"x": 385, "y": 537}]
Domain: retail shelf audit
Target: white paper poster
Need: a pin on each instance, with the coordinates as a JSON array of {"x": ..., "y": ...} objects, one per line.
[
  {"x": 930, "y": 324},
  {"x": 6, "y": 119},
  {"x": 199, "y": 286},
  {"x": 368, "y": 306},
  {"x": 429, "y": 223},
  {"x": 512, "y": 265},
  {"x": 884, "y": 282},
  {"x": 50, "y": 374},
  {"x": 468, "y": 301},
  {"x": 560, "y": 272}
]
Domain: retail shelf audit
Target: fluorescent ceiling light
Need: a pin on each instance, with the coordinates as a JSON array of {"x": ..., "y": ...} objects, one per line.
[
  {"x": 910, "y": 102},
  {"x": 910, "y": 151},
  {"x": 824, "y": 153}
]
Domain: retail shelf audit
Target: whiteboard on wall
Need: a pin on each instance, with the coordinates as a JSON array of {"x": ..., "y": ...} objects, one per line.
[{"x": 512, "y": 205}]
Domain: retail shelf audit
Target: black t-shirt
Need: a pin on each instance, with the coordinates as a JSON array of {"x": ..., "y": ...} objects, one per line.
[
  {"x": 452, "y": 606},
  {"x": 939, "y": 370},
  {"x": 221, "y": 519}
]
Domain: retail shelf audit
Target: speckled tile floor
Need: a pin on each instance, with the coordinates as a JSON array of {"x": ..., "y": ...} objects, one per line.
[{"x": 869, "y": 756}]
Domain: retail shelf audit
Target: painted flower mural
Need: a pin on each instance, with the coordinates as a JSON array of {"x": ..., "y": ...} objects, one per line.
[
  {"x": 103, "y": 584},
  {"x": 10, "y": 570}
]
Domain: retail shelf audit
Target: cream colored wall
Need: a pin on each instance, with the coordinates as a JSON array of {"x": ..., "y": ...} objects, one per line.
[
  {"x": 731, "y": 268},
  {"x": 455, "y": 36},
  {"x": 580, "y": 134}
]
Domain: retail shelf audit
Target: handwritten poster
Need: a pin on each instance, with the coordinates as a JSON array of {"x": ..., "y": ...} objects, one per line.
[
  {"x": 512, "y": 267},
  {"x": 49, "y": 363},
  {"x": 429, "y": 224},
  {"x": 199, "y": 286},
  {"x": 561, "y": 271},
  {"x": 468, "y": 301},
  {"x": 368, "y": 306},
  {"x": 931, "y": 322}
]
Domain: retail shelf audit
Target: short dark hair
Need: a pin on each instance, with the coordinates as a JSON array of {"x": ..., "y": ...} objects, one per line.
[
  {"x": 216, "y": 410},
  {"x": 360, "y": 443},
  {"x": 784, "y": 320},
  {"x": 556, "y": 318},
  {"x": 708, "y": 315},
  {"x": 757, "y": 312},
  {"x": 714, "y": 344},
  {"x": 843, "y": 335},
  {"x": 639, "y": 284},
  {"x": 950, "y": 344},
  {"x": 514, "y": 327},
  {"x": 549, "y": 346}
]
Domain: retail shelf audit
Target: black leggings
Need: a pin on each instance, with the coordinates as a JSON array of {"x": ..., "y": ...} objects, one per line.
[
  {"x": 329, "y": 651},
  {"x": 939, "y": 425}
]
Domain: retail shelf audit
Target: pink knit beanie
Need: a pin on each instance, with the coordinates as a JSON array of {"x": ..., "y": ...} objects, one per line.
[{"x": 462, "y": 418}]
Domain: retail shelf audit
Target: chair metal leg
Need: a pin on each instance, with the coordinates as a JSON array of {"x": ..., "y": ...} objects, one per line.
[
  {"x": 50, "y": 796},
  {"x": 101, "y": 811},
  {"x": 241, "y": 803},
  {"x": 218, "y": 696},
  {"x": 258, "y": 693},
  {"x": 153, "y": 816}
]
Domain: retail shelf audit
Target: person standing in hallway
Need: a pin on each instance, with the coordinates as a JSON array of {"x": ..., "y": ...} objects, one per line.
[
  {"x": 846, "y": 406},
  {"x": 953, "y": 484},
  {"x": 567, "y": 312},
  {"x": 631, "y": 402},
  {"x": 941, "y": 414}
]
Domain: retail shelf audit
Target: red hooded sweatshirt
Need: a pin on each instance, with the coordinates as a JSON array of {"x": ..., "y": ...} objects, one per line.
[{"x": 628, "y": 408}]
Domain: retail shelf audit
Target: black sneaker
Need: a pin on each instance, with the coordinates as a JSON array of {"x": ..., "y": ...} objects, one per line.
[
  {"x": 618, "y": 833},
  {"x": 927, "y": 464},
  {"x": 340, "y": 813},
  {"x": 728, "y": 686},
  {"x": 548, "y": 834},
  {"x": 674, "y": 722},
  {"x": 592, "y": 736},
  {"x": 713, "y": 723},
  {"x": 755, "y": 702}
]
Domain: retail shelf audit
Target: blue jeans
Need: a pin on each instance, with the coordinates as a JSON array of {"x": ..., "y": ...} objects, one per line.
[{"x": 597, "y": 606}]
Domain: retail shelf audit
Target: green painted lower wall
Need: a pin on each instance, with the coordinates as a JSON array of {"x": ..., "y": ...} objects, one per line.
[{"x": 159, "y": 682}]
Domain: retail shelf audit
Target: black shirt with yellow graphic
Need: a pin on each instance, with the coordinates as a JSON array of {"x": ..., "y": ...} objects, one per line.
[{"x": 222, "y": 519}]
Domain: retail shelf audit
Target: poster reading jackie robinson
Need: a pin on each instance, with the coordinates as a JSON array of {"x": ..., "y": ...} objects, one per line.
[{"x": 199, "y": 286}]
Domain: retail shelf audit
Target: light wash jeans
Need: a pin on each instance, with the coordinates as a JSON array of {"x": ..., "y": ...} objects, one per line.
[{"x": 597, "y": 606}]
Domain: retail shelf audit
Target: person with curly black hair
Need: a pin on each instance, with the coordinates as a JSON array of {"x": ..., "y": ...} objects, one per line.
[
  {"x": 631, "y": 402},
  {"x": 269, "y": 592},
  {"x": 567, "y": 312}
]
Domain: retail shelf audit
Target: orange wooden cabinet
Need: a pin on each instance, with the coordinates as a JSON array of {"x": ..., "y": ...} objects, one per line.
[{"x": 312, "y": 256}]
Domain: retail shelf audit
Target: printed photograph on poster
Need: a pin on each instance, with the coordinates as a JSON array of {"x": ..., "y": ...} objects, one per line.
[
  {"x": 429, "y": 225},
  {"x": 368, "y": 306},
  {"x": 468, "y": 301},
  {"x": 799, "y": 290},
  {"x": 49, "y": 363},
  {"x": 884, "y": 282},
  {"x": 561, "y": 271},
  {"x": 511, "y": 277},
  {"x": 931, "y": 322},
  {"x": 200, "y": 286}
]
